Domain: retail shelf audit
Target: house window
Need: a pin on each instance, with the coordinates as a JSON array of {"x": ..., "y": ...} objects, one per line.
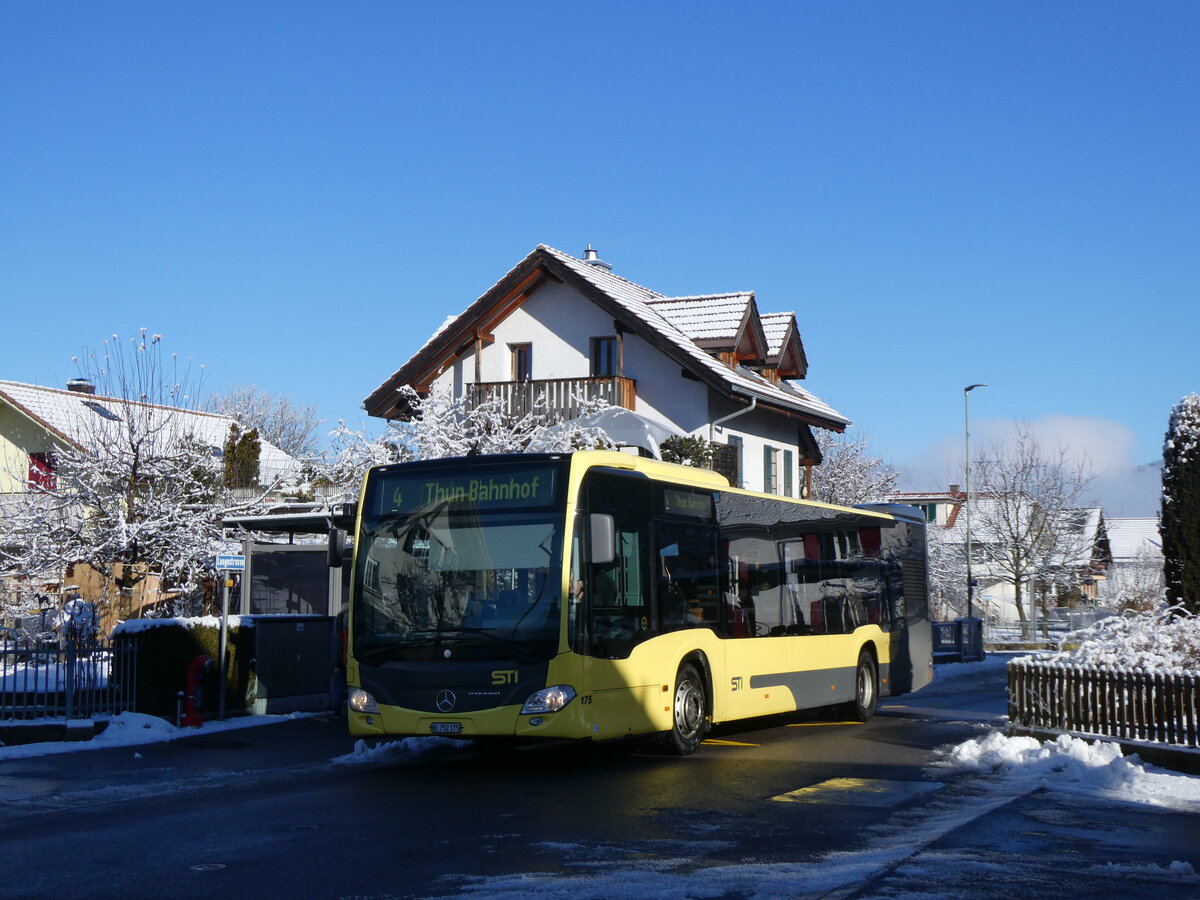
[
  {"x": 604, "y": 357},
  {"x": 736, "y": 443},
  {"x": 41, "y": 472},
  {"x": 770, "y": 476},
  {"x": 522, "y": 362}
]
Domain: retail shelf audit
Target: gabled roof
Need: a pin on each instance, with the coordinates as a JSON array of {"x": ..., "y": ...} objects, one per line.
[
  {"x": 76, "y": 418},
  {"x": 636, "y": 308},
  {"x": 1132, "y": 539}
]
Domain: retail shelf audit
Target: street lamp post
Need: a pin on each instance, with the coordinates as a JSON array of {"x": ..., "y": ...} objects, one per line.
[{"x": 967, "y": 488}]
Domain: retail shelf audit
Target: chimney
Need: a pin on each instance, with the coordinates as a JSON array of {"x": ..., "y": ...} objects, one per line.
[
  {"x": 592, "y": 258},
  {"x": 954, "y": 490},
  {"x": 81, "y": 386}
]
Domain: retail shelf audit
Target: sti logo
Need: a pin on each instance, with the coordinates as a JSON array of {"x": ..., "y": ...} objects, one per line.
[
  {"x": 504, "y": 676},
  {"x": 736, "y": 683}
]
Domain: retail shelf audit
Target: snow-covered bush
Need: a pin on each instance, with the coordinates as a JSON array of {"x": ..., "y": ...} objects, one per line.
[{"x": 1153, "y": 642}]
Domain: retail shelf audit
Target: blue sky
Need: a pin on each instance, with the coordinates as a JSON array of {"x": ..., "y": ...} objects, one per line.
[{"x": 297, "y": 194}]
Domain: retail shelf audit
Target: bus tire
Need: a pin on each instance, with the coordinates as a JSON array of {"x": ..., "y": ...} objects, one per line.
[
  {"x": 866, "y": 690},
  {"x": 689, "y": 716}
]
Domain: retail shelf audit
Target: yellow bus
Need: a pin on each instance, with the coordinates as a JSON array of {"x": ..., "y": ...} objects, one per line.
[{"x": 597, "y": 595}]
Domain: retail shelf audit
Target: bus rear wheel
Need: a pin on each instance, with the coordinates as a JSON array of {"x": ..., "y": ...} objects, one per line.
[
  {"x": 689, "y": 715},
  {"x": 866, "y": 690}
]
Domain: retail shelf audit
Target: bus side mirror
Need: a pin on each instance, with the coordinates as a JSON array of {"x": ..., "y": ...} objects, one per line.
[
  {"x": 337, "y": 547},
  {"x": 603, "y": 538}
]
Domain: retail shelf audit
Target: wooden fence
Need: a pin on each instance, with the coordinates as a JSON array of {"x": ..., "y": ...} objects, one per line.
[{"x": 1116, "y": 703}]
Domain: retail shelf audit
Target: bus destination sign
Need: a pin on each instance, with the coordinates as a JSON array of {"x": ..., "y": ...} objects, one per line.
[{"x": 508, "y": 488}]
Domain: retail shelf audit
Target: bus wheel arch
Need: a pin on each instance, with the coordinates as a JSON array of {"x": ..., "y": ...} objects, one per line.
[{"x": 691, "y": 705}]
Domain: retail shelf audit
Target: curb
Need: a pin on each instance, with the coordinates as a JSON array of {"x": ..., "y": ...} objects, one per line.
[{"x": 13, "y": 734}]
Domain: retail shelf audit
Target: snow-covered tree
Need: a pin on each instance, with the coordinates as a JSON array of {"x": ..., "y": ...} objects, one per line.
[
  {"x": 292, "y": 427},
  {"x": 947, "y": 574},
  {"x": 1181, "y": 504},
  {"x": 1136, "y": 586},
  {"x": 136, "y": 492},
  {"x": 1023, "y": 514},
  {"x": 848, "y": 472},
  {"x": 443, "y": 425}
]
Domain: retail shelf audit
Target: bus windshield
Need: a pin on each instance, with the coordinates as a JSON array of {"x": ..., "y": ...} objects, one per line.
[{"x": 446, "y": 569}]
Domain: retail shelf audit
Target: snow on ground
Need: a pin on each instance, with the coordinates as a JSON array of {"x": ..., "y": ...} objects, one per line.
[
  {"x": 1075, "y": 765},
  {"x": 129, "y": 729}
]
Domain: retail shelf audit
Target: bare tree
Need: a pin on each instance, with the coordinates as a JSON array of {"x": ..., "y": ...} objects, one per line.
[
  {"x": 292, "y": 427},
  {"x": 849, "y": 473},
  {"x": 1025, "y": 515}
]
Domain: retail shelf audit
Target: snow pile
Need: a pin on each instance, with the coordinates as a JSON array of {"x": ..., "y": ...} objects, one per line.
[
  {"x": 395, "y": 751},
  {"x": 1166, "y": 642},
  {"x": 1073, "y": 764}
]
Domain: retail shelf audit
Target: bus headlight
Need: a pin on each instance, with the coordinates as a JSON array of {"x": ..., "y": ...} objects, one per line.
[
  {"x": 360, "y": 701},
  {"x": 548, "y": 700}
]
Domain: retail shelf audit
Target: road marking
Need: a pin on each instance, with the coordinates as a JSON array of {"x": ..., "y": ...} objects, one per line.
[
  {"x": 715, "y": 742},
  {"x": 860, "y": 792}
]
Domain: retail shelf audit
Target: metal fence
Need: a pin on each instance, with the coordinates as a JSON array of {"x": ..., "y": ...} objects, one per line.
[
  {"x": 46, "y": 681},
  {"x": 960, "y": 640},
  {"x": 1048, "y": 631},
  {"x": 1115, "y": 703}
]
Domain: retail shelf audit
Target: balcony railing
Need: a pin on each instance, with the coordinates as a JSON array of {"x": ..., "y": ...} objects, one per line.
[{"x": 559, "y": 398}]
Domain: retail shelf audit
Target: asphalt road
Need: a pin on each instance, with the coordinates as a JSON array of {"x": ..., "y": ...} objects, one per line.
[{"x": 792, "y": 807}]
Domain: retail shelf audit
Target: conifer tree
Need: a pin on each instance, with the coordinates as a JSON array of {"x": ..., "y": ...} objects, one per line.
[{"x": 1181, "y": 504}]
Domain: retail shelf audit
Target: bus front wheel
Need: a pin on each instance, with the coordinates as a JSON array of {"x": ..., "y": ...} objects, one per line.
[
  {"x": 689, "y": 717},
  {"x": 866, "y": 690}
]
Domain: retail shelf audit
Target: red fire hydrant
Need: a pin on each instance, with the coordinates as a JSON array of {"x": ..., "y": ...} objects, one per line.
[{"x": 193, "y": 701}]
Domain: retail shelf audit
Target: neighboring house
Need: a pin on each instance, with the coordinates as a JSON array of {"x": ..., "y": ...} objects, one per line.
[
  {"x": 556, "y": 327},
  {"x": 940, "y": 507},
  {"x": 37, "y": 421}
]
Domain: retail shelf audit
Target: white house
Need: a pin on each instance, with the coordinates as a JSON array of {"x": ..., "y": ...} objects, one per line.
[{"x": 709, "y": 366}]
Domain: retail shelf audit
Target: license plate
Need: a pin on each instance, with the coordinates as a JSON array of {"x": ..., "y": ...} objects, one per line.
[{"x": 446, "y": 728}]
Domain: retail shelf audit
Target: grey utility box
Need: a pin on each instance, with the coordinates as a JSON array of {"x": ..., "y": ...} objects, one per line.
[{"x": 294, "y": 664}]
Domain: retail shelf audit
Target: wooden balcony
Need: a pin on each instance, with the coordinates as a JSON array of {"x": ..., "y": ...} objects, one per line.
[{"x": 558, "y": 398}]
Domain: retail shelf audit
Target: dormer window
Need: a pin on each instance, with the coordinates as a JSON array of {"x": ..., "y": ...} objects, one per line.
[
  {"x": 522, "y": 361},
  {"x": 604, "y": 357}
]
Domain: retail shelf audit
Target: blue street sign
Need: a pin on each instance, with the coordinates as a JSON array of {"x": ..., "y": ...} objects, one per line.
[{"x": 231, "y": 562}]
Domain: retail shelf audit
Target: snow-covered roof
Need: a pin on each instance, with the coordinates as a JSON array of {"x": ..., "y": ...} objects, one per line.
[
  {"x": 77, "y": 418},
  {"x": 712, "y": 317},
  {"x": 646, "y": 307},
  {"x": 636, "y": 299},
  {"x": 775, "y": 327},
  {"x": 1130, "y": 539}
]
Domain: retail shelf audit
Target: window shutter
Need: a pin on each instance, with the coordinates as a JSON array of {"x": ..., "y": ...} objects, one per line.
[
  {"x": 768, "y": 469},
  {"x": 787, "y": 473},
  {"x": 736, "y": 443}
]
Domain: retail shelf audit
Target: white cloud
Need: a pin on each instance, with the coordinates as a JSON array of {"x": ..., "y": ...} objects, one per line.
[{"x": 1122, "y": 486}]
